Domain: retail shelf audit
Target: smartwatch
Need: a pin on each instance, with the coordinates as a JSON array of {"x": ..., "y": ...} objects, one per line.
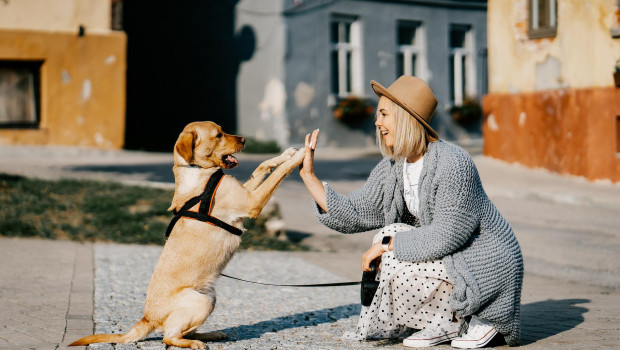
[{"x": 385, "y": 242}]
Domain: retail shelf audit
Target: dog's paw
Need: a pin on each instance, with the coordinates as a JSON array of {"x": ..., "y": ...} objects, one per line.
[
  {"x": 197, "y": 344},
  {"x": 298, "y": 157},
  {"x": 289, "y": 152}
]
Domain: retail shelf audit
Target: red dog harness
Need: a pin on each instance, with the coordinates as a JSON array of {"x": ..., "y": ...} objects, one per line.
[{"x": 204, "y": 210}]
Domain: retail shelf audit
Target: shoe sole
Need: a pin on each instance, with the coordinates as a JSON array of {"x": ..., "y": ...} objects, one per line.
[
  {"x": 446, "y": 338},
  {"x": 467, "y": 344}
]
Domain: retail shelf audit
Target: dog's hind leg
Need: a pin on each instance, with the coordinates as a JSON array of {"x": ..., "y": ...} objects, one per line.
[
  {"x": 191, "y": 310},
  {"x": 184, "y": 343}
]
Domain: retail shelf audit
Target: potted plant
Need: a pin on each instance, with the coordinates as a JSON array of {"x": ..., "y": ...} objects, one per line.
[
  {"x": 617, "y": 73},
  {"x": 468, "y": 113},
  {"x": 353, "y": 111}
]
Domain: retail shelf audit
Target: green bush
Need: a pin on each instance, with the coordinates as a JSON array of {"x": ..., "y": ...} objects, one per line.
[{"x": 256, "y": 146}]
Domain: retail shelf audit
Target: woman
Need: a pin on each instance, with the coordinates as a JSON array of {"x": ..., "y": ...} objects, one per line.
[{"x": 451, "y": 266}]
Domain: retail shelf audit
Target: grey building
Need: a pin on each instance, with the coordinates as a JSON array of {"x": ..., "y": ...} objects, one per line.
[{"x": 310, "y": 55}]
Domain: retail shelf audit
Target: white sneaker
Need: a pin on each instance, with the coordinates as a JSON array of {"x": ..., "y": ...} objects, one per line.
[
  {"x": 429, "y": 337},
  {"x": 478, "y": 334}
]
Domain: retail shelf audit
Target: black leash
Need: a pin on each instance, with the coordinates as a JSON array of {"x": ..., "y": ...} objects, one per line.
[{"x": 296, "y": 285}]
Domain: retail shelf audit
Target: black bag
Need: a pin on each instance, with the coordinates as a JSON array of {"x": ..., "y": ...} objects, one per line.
[{"x": 369, "y": 285}]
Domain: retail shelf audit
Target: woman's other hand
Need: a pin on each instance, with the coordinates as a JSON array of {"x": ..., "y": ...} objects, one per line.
[{"x": 375, "y": 251}]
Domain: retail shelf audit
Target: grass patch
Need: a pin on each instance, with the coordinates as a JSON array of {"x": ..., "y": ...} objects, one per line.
[{"x": 100, "y": 211}]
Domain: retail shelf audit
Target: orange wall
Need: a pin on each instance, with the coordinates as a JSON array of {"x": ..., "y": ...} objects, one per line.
[
  {"x": 570, "y": 131},
  {"x": 82, "y": 87}
]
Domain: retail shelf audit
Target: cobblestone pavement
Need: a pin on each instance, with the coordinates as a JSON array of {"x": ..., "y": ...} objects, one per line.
[
  {"x": 261, "y": 317},
  {"x": 253, "y": 316}
]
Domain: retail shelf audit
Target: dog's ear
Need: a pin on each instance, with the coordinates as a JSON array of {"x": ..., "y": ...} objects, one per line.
[{"x": 185, "y": 145}]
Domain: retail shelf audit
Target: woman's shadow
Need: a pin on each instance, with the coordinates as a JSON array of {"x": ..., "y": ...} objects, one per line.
[{"x": 543, "y": 319}]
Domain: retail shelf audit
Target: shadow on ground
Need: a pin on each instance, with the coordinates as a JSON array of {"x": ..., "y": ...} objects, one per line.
[
  {"x": 547, "y": 318},
  {"x": 355, "y": 169},
  {"x": 303, "y": 319}
]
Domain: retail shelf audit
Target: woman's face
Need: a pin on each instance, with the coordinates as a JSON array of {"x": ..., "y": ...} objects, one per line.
[{"x": 386, "y": 121}]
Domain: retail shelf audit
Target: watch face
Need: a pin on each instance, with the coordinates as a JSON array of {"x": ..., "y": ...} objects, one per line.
[{"x": 386, "y": 240}]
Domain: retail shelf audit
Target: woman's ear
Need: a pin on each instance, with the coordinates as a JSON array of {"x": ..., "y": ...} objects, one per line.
[{"x": 185, "y": 145}]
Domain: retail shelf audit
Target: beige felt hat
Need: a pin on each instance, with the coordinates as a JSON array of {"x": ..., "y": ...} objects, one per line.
[{"x": 412, "y": 94}]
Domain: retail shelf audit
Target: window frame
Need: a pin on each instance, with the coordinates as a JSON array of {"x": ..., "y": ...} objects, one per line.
[
  {"x": 418, "y": 50},
  {"x": 460, "y": 90},
  {"x": 536, "y": 32},
  {"x": 349, "y": 72},
  {"x": 34, "y": 66}
]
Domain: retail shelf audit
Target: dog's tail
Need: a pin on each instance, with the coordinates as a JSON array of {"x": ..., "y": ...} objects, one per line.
[{"x": 139, "y": 331}]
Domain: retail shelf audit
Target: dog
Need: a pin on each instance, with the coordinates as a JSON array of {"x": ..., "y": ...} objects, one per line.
[{"x": 181, "y": 293}]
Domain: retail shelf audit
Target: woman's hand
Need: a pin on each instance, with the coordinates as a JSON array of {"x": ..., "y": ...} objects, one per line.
[
  {"x": 306, "y": 169},
  {"x": 375, "y": 251}
]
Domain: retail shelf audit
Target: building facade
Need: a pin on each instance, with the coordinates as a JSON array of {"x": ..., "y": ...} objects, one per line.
[
  {"x": 312, "y": 56},
  {"x": 62, "y": 74},
  {"x": 552, "y": 100}
]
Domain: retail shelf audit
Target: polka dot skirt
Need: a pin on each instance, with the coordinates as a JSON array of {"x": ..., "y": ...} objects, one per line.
[{"x": 410, "y": 295}]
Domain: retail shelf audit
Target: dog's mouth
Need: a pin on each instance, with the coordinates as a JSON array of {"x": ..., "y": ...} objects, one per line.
[{"x": 230, "y": 161}]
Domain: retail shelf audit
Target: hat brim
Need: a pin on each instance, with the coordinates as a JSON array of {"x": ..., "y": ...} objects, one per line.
[{"x": 381, "y": 91}]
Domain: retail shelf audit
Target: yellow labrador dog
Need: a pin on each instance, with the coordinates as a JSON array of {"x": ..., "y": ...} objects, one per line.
[{"x": 181, "y": 293}]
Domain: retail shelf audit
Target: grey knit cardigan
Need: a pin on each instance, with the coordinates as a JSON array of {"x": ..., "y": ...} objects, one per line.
[{"x": 458, "y": 224}]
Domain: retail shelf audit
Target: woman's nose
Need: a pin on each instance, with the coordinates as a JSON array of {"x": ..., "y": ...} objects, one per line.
[{"x": 378, "y": 121}]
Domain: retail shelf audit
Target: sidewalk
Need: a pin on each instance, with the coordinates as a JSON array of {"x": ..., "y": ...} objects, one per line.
[
  {"x": 567, "y": 227},
  {"x": 46, "y": 293}
]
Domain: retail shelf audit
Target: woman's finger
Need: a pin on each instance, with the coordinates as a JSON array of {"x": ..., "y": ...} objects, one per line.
[
  {"x": 307, "y": 139},
  {"x": 315, "y": 136}
]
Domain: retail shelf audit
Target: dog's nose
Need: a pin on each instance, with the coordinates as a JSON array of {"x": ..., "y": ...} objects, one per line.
[{"x": 242, "y": 140}]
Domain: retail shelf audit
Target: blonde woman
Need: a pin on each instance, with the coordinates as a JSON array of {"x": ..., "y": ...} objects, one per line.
[{"x": 451, "y": 267}]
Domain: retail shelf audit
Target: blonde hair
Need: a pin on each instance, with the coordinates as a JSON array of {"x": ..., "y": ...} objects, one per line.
[{"x": 410, "y": 136}]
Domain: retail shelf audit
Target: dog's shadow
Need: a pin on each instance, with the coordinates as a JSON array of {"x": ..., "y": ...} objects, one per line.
[
  {"x": 303, "y": 319},
  {"x": 543, "y": 319}
]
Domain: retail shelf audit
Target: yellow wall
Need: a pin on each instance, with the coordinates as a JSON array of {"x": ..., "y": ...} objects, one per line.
[
  {"x": 56, "y": 15},
  {"x": 82, "y": 86},
  {"x": 582, "y": 54}
]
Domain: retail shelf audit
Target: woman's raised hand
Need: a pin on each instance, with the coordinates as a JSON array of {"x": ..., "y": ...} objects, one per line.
[
  {"x": 307, "y": 167},
  {"x": 306, "y": 171}
]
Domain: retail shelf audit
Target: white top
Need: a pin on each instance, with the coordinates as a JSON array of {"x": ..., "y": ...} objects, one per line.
[{"x": 411, "y": 178}]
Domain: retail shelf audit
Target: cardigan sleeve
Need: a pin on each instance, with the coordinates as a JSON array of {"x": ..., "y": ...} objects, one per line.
[
  {"x": 360, "y": 210},
  {"x": 455, "y": 216}
]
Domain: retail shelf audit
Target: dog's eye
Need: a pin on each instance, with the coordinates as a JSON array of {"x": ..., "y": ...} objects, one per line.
[{"x": 218, "y": 135}]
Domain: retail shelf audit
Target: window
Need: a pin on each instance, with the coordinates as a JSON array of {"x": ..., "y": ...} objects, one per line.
[
  {"x": 411, "y": 55},
  {"x": 345, "y": 56},
  {"x": 462, "y": 67},
  {"x": 543, "y": 20},
  {"x": 19, "y": 94},
  {"x": 117, "y": 15}
]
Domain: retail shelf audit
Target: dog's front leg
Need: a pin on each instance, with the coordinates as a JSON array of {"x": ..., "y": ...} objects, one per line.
[
  {"x": 260, "y": 196},
  {"x": 266, "y": 167}
]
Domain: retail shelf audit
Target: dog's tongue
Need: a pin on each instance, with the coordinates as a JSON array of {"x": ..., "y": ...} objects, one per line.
[{"x": 232, "y": 160}]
